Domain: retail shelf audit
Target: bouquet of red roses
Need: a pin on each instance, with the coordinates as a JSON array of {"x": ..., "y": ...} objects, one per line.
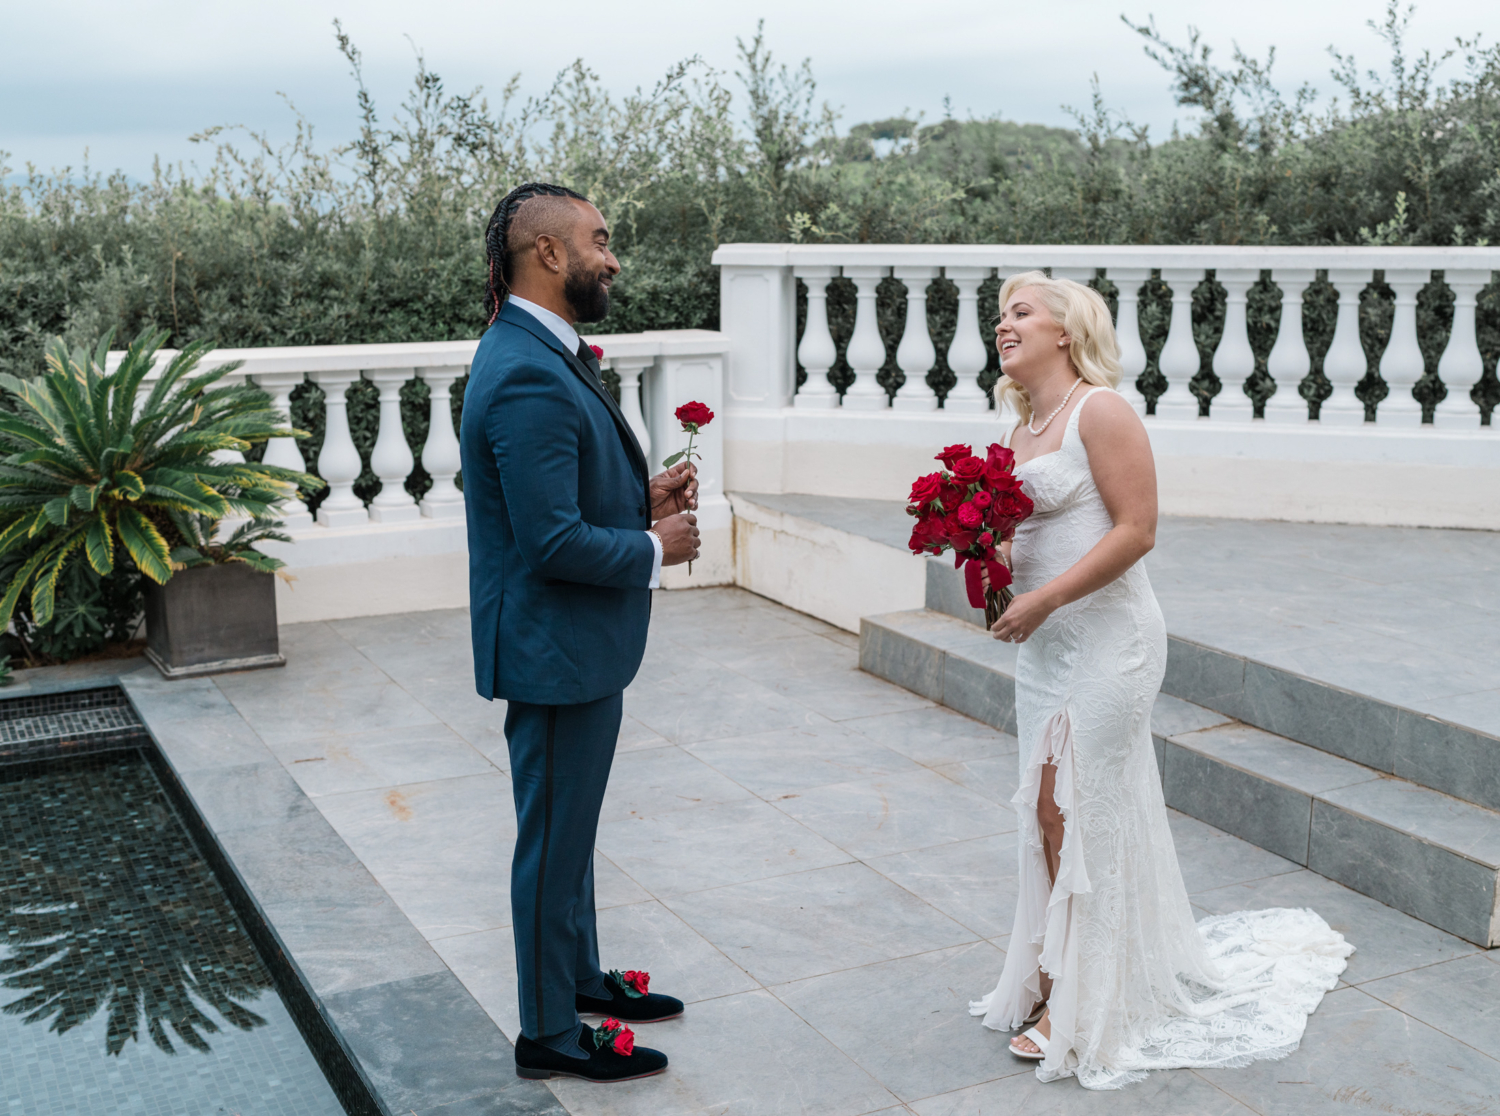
[{"x": 971, "y": 508}]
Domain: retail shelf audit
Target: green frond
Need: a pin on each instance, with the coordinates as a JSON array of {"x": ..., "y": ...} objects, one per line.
[
  {"x": 145, "y": 545},
  {"x": 99, "y": 543},
  {"x": 258, "y": 561},
  {"x": 129, "y": 484},
  {"x": 44, "y": 593},
  {"x": 19, "y": 582},
  {"x": 57, "y": 510},
  {"x": 19, "y": 530},
  {"x": 84, "y": 496}
]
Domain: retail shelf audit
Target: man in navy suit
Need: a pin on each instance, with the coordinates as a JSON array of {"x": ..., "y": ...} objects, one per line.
[{"x": 568, "y": 533}]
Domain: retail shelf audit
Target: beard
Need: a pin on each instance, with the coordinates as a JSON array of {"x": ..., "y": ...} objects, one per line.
[{"x": 586, "y": 294}]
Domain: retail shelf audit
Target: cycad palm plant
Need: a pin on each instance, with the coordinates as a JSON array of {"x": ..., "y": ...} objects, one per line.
[{"x": 88, "y": 465}]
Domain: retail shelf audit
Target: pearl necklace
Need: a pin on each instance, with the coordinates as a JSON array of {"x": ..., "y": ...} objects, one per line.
[{"x": 1035, "y": 433}]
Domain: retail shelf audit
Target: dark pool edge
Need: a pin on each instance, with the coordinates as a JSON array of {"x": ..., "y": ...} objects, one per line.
[{"x": 418, "y": 1044}]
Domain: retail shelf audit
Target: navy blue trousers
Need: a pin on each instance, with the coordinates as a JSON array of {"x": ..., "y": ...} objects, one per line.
[{"x": 560, "y": 757}]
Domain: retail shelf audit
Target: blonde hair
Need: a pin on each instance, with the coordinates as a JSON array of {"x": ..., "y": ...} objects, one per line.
[{"x": 1084, "y": 316}]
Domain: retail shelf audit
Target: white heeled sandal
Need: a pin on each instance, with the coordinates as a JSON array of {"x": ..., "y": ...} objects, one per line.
[
  {"x": 1041, "y": 1045},
  {"x": 1036, "y": 1015}
]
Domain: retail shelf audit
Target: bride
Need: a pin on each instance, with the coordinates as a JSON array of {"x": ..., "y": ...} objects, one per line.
[{"x": 1104, "y": 958}]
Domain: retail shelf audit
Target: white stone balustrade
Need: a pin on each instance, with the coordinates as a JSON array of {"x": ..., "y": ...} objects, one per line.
[
  {"x": 756, "y": 268},
  {"x": 391, "y": 459}
]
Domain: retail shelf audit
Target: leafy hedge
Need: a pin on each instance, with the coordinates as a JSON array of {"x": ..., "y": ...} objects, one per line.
[{"x": 380, "y": 238}]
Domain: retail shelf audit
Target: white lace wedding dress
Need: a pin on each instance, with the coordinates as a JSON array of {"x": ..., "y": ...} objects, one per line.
[{"x": 1137, "y": 985}]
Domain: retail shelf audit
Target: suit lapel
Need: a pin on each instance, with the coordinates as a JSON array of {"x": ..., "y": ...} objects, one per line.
[{"x": 583, "y": 372}]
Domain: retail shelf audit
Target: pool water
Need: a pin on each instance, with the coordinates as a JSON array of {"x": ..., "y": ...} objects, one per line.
[{"x": 128, "y": 983}]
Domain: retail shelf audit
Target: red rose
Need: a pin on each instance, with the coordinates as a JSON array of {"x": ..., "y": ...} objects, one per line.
[
  {"x": 612, "y": 1024},
  {"x": 928, "y": 535},
  {"x": 694, "y": 415},
  {"x": 981, "y": 499},
  {"x": 625, "y": 1042},
  {"x": 970, "y": 516},
  {"x": 638, "y": 980},
  {"x": 597, "y": 351},
  {"x": 1001, "y": 458},
  {"x": 926, "y": 489},
  {"x": 986, "y": 540},
  {"x": 953, "y": 495},
  {"x": 954, "y": 453},
  {"x": 967, "y": 470}
]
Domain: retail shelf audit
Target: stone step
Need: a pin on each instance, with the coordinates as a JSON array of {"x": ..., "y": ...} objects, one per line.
[
  {"x": 1419, "y": 748},
  {"x": 1432, "y": 855}
]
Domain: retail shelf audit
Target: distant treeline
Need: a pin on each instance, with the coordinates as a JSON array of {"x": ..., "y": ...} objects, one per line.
[{"x": 380, "y": 238}]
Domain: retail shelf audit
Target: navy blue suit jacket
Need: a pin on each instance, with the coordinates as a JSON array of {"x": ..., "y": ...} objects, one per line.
[{"x": 556, "y": 493}]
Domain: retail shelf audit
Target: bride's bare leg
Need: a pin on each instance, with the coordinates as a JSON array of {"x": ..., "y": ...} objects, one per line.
[{"x": 1050, "y": 820}]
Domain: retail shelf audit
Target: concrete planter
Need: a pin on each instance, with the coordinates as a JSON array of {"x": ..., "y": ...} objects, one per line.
[{"x": 212, "y": 619}]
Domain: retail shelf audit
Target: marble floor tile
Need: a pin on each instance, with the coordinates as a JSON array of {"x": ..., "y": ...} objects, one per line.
[
  {"x": 746, "y": 1055},
  {"x": 1358, "y": 1054},
  {"x": 379, "y": 758},
  {"x": 612, "y": 887},
  {"x": 323, "y": 703},
  {"x": 711, "y": 703},
  {"x": 1017, "y": 1092},
  {"x": 935, "y": 736},
  {"x": 773, "y": 661},
  {"x": 878, "y": 816},
  {"x": 785, "y": 762},
  {"x": 657, "y": 780},
  {"x": 842, "y": 694},
  {"x": 1211, "y": 858},
  {"x": 441, "y": 849},
  {"x": 994, "y": 777},
  {"x": 1461, "y": 998},
  {"x": 688, "y": 850},
  {"x": 808, "y": 923},
  {"x": 924, "y": 1000},
  {"x": 1385, "y": 940},
  {"x": 972, "y": 882}
]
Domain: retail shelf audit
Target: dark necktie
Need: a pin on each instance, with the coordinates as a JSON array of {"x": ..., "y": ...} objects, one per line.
[{"x": 590, "y": 361}]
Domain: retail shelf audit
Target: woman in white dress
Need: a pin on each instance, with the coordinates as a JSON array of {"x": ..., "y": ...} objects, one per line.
[{"x": 1104, "y": 957}]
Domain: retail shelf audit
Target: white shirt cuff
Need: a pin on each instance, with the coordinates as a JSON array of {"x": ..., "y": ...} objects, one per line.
[{"x": 655, "y": 582}]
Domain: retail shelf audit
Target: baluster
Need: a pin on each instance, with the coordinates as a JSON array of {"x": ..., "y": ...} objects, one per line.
[
  {"x": 1461, "y": 365},
  {"x": 817, "y": 353},
  {"x": 1288, "y": 361},
  {"x": 391, "y": 460},
  {"x": 1179, "y": 361},
  {"x": 629, "y": 369},
  {"x": 440, "y": 456},
  {"x": 1344, "y": 364},
  {"x": 1127, "y": 281},
  {"x": 915, "y": 354},
  {"x": 338, "y": 461},
  {"x": 285, "y": 452},
  {"x": 1234, "y": 360},
  {"x": 866, "y": 352},
  {"x": 1401, "y": 364},
  {"x": 967, "y": 355}
]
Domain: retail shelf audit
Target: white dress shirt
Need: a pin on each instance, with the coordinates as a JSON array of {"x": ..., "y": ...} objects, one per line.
[{"x": 570, "y": 339}]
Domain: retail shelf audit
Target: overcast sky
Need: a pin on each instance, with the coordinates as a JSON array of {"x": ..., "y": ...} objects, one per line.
[{"x": 129, "y": 81}]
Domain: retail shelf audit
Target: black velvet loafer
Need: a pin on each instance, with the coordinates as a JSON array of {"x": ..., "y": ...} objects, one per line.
[
  {"x": 630, "y": 1000},
  {"x": 612, "y": 1056}
]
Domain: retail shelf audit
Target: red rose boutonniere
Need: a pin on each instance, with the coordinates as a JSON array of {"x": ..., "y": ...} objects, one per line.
[
  {"x": 597, "y": 351},
  {"x": 620, "y": 1037}
]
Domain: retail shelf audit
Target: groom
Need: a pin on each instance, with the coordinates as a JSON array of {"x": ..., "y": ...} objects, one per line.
[{"x": 568, "y": 533}]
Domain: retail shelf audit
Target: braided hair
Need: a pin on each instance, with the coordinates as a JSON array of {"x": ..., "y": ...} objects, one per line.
[{"x": 497, "y": 249}]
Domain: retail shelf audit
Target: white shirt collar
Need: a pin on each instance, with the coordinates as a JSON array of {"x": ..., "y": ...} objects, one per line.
[{"x": 559, "y": 328}]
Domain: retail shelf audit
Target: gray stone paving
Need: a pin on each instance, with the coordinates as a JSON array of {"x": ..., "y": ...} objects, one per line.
[{"x": 821, "y": 864}]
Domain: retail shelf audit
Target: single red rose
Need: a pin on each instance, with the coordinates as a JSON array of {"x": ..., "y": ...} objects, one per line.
[
  {"x": 612, "y": 1024},
  {"x": 694, "y": 415},
  {"x": 987, "y": 539},
  {"x": 954, "y": 453},
  {"x": 967, "y": 470},
  {"x": 1000, "y": 457},
  {"x": 638, "y": 980},
  {"x": 953, "y": 495},
  {"x": 625, "y": 1042},
  {"x": 926, "y": 489},
  {"x": 970, "y": 516},
  {"x": 981, "y": 499},
  {"x": 597, "y": 351}
]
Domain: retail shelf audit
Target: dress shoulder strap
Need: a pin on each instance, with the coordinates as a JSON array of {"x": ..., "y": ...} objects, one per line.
[
  {"x": 1078, "y": 410},
  {"x": 1010, "y": 432}
]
